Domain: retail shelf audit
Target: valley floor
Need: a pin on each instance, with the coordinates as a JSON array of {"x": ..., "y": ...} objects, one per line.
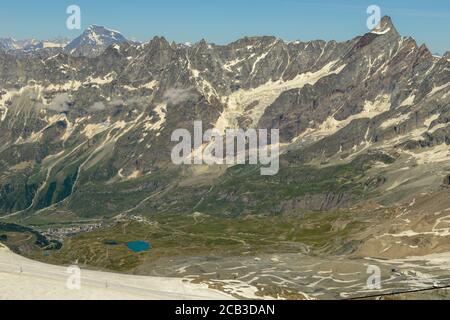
[{"x": 327, "y": 255}]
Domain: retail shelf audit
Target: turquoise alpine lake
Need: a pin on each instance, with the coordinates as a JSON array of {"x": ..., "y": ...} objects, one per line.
[{"x": 138, "y": 246}]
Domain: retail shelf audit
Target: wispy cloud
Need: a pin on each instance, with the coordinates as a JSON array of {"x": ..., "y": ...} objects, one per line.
[
  {"x": 178, "y": 95},
  {"x": 60, "y": 103}
]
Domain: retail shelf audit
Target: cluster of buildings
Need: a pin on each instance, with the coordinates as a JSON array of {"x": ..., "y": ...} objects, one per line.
[{"x": 60, "y": 233}]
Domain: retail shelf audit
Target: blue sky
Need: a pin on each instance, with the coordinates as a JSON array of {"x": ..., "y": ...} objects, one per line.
[{"x": 223, "y": 21}]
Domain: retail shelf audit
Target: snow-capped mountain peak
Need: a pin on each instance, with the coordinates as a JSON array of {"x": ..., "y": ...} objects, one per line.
[
  {"x": 100, "y": 33},
  {"x": 94, "y": 40}
]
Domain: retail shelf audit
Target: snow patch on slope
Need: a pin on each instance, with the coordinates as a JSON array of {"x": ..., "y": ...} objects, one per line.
[
  {"x": 3, "y": 113},
  {"x": 3, "y": 109},
  {"x": 395, "y": 121},
  {"x": 265, "y": 95},
  {"x": 70, "y": 85},
  {"x": 439, "y": 88},
  {"x": 92, "y": 130},
  {"x": 381, "y": 32},
  {"x": 156, "y": 126},
  {"x": 408, "y": 101},
  {"x": 439, "y": 153},
  {"x": 331, "y": 125},
  {"x": 430, "y": 119},
  {"x": 380, "y": 105},
  {"x": 101, "y": 80},
  {"x": 230, "y": 64}
]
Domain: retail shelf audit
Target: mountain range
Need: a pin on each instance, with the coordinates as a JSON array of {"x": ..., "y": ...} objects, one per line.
[{"x": 85, "y": 130}]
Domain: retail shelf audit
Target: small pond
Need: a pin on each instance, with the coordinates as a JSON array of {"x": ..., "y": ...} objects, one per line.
[{"x": 138, "y": 246}]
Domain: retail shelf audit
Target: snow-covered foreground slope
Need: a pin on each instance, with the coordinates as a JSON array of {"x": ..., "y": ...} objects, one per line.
[{"x": 25, "y": 279}]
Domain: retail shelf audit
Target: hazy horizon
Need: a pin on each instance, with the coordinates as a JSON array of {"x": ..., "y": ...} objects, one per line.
[{"x": 226, "y": 21}]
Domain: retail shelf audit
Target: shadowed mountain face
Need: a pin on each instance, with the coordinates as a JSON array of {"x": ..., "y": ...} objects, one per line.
[{"x": 87, "y": 132}]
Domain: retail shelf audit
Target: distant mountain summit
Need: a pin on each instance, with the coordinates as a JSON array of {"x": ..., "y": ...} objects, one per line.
[
  {"x": 32, "y": 47},
  {"x": 385, "y": 26},
  {"x": 93, "y": 41},
  {"x": 7, "y": 44}
]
